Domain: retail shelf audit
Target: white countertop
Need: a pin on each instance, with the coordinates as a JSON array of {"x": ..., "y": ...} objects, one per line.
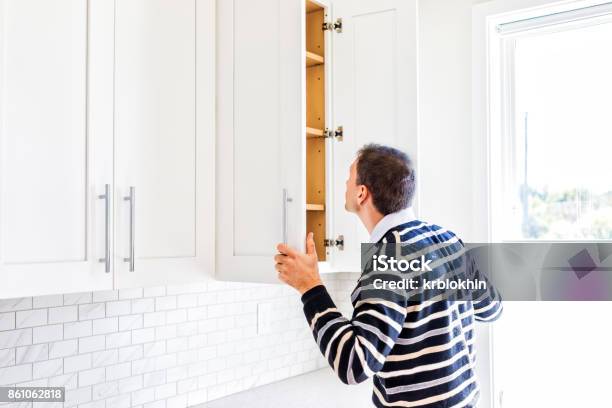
[{"x": 318, "y": 389}]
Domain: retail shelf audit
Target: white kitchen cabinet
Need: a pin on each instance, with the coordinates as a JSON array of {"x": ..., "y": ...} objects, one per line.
[
  {"x": 301, "y": 86},
  {"x": 55, "y": 145},
  {"x": 105, "y": 96},
  {"x": 161, "y": 146}
]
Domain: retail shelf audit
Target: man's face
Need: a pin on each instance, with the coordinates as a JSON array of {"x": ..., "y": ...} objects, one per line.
[{"x": 352, "y": 197}]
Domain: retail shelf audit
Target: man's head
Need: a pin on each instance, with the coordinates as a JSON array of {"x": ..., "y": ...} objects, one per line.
[{"x": 382, "y": 179}]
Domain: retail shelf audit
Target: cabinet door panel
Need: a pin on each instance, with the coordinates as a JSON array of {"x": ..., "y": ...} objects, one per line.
[
  {"x": 55, "y": 150},
  {"x": 260, "y": 132},
  {"x": 374, "y": 90},
  {"x": 156, "y": 133}
]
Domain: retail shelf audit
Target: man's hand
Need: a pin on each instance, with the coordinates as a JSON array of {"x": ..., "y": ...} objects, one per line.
[{"x": 297, "y": 269}]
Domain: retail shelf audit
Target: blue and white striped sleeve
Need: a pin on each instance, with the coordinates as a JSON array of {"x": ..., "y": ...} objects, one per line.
[
  {"x": 487, "y": 303},
  {"x": 355, "y": 348}
]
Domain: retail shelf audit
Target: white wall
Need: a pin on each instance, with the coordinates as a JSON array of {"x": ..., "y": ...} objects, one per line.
[
  {"x": 446, "y": 158},
  {"x": 445, "y": 114}
]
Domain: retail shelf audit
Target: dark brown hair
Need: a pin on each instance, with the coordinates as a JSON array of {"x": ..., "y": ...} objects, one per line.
[{"x": 389, "y": 176}]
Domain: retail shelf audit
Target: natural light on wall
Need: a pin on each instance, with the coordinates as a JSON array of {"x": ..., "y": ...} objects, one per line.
[{"x": 554, "y": 130}]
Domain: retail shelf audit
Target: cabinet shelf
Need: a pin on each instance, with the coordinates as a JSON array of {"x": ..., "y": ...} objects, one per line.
[
  {"x": 313, "y": 59},
  {"x": 315, "y": 207},
  {"x": 314, "y": 133}
]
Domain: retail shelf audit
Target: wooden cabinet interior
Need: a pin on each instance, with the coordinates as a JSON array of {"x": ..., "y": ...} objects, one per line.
[{"x": 315, "y": 126}]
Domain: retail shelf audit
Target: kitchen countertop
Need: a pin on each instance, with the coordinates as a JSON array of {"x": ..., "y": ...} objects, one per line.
[{"x": 318, "y": 389}]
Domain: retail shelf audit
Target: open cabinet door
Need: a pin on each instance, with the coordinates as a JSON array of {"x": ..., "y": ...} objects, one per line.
[
  {"x": 374, "y": 97},
  {"x": 260, "y": 135}
]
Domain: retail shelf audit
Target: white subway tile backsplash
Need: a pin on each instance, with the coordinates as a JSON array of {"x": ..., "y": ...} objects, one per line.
[
  {"x": 77, "y": 396},
  {"x": 118, "y": 371},
  {"x": 153, "y": 379},
  {"x": 177, "y": 344},
  {"x": 130, "y": 353},
  {"x": 176, "y": 316},
  {"x": 7, "y": 321},
  {"x": 130, "y": 384},
  {"x": 63, "y": 314},
  {"x": 165, "y": 303},
  {"x": 91, "y": 377},
  {"x": 45, "y": 334},
  {"x": 63, "y": 348},
  {"x": 143, "y": 396},
  {"x": 187, "y": 300},
  {"x": 105, "y": 390},
  {"x": 15, "y": 338},
  {"x": 105, "y": 358},
  {"x": 49, "y": 368},
  {"x": 31, "y": 318},
  {"x": 12, "y": 305},
  {"x": 187, "y": 329},
  {"x": 143, "y": 305},
  {"x": 105, "y": 296},
  {"x": 116, "y": 340},
  {"x": 120, "y": 401},
  {"x": 156, "y": 347},
  {"x": 118, "y": 308},
  {"x": 47, "y": 301},
  {"x": 143, "y": 335},
  {"x": 94, "y": 343},
  {"x": 177, "y": 373},
  {"x": 7, "y": 357},
  {"x": 165, "y": 332},
  {"x": 155, "y": 404},
  {"x": 155, "y": 291},
  {"x": 92, "y": 311},
  {"x": 105, "y": 326},
  {"x": 165, "y": 391},
  {"x": 15, "y": 374},
  {"x": 133, "y": 293},
  {"x": 154, "y": 319},
  {"x": 197, "y": 313},
  {"x": 30, "y": 354},
  {"x": 93, "y": 404},
  {"x": 177, "y": 402},
  {"x": 77, "y": 363},
  {"x": 65, "y": 380},
  {"x": 77, "y": 329},
  {"x": 130, "y": 322},
  {"x": 77, "y": 298}
]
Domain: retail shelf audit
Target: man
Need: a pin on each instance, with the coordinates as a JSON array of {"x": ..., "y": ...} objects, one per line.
[{"x": 419, "y": 354}]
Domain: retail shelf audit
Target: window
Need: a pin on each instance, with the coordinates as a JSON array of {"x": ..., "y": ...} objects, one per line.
[
  {"x": 550, "y": 128},
  {"x": 556, "y": 104}
]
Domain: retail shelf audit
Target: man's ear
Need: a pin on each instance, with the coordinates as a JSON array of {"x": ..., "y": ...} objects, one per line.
[{"x": 362, "y": 195}]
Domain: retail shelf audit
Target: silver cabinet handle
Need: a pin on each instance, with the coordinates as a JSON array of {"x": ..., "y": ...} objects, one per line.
[
  {"x": 132, "y": 199},
  {"x": 286, "y": 199},
  {"x": 107, "y": 254}
]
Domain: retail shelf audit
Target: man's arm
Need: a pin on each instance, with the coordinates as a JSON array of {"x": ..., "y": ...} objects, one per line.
[
  {"x": 487, "y": 303},
  {"x": 356, "y": 348}
]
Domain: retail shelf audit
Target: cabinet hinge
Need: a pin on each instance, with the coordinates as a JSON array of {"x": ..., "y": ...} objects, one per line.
[
  {"x": 338, "y": 242},
  {"x": 337, "y": 134},
  {"x": 337, "y": 26}
]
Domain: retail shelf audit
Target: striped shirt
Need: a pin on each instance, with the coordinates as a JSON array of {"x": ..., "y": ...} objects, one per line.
[{"x": 420, "y": 354}]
